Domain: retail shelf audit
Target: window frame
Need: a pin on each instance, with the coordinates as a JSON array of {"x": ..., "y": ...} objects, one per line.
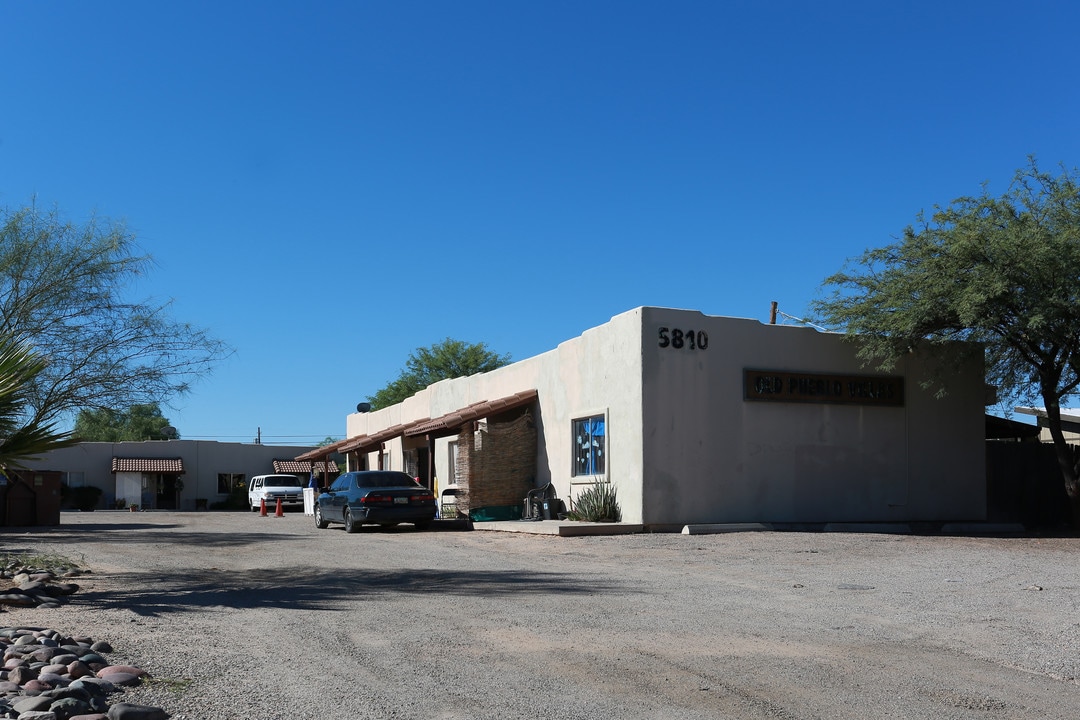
[
  {"x": 73, "y": 479},
  {"x": 234, "y": 481},
  {"x": 453, "y": 447},
  {"x": 584, "y": 478}
]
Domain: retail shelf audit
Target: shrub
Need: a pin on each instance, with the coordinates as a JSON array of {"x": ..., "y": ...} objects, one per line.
[
  {"x": 85, "y": 497},
  {"x": 597, "y": 503},
  {"x": 237, "y": 500}
]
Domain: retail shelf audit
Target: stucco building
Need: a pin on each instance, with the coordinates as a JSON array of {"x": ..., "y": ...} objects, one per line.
[
  {"x": 172, "y": 474},
  {"x": 698, "y": 419}
]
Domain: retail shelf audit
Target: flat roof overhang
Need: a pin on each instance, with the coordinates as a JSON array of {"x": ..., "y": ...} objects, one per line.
[
  {"x": 450, "y": 423},
  {"x": 322, "y": 452}
]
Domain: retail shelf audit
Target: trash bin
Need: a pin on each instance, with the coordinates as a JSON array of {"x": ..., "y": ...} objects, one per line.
[{"x": 552, "y": 508}]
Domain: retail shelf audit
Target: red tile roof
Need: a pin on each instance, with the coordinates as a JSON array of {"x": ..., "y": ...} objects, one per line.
[
  {"x": 301, "y": 466},
  {"x": 148, "y": 465}
]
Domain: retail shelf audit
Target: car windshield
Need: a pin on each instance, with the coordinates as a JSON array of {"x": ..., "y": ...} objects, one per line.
[
  {"x": 384, "y": 480},
  {"x": 287, "y": 481}
]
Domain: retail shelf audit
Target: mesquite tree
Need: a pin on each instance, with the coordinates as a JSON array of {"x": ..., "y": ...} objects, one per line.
[
  {"x": 1000, "y": 271},
  {"x": 65, "y": 292},
  {"x": 443, "y": 360}
]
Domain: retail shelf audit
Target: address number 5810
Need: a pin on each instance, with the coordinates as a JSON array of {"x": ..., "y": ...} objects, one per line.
[{"x": 679, "y": 339}]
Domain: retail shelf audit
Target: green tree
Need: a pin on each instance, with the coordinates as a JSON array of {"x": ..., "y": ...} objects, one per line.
[
  {"x": 21, "y": 437},
  {"x": 138, "y": 422},
  {"x": 1001, "y": 271},
  {"x": 65, "y": 292},
  {"x": 427, "y": 365}
]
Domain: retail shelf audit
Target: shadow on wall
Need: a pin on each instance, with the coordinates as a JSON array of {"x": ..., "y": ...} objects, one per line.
[{"x": 1024, "y": 485}]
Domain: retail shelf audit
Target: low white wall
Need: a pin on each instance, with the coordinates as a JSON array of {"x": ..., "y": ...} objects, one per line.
[{"x": 203, "y": 461}]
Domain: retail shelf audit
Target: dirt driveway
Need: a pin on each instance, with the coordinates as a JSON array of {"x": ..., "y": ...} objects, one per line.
[{"x": 246, "y": 616}]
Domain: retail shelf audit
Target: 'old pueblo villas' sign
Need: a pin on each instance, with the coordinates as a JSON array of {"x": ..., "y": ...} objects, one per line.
[{"x": 775, "y": 386}]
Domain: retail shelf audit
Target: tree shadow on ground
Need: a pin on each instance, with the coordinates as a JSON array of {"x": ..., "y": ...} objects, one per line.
[
  {"x": 306, "y": 589},
  {"x": 45, "y": 531},
  {"x": 128, "y": 533},
  {"x": 139, "y": 534}
]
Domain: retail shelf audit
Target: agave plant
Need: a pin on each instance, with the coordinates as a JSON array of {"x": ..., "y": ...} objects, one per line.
[
  {"x": 597, "y": 503},
  {"x": 21, "y": 437}
]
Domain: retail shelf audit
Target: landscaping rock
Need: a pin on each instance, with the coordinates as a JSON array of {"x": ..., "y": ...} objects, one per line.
[
  {"x": 126, "y": 711},
  {"x": 38, "y": 688}
]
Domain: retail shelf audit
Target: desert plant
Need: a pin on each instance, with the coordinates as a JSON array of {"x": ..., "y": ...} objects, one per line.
[
  {"x": 15, "y": 561},
  {"x": 237, "y": 500},
  {"x": 597, "y": 503}
]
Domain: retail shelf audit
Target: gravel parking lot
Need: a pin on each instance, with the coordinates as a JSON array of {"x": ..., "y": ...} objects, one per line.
[{"x": 242, "y": 616}]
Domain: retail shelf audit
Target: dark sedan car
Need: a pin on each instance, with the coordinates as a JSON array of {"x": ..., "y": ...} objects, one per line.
[{"x": 378, "y": 497}]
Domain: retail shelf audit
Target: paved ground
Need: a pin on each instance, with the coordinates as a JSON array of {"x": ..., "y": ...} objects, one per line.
[{"x": 249, "y": 616}]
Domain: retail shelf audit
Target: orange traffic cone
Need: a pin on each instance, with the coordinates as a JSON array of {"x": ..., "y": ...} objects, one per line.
[
  {"x": 262, "y": 507},
  {"x": 279, "y": 512}
]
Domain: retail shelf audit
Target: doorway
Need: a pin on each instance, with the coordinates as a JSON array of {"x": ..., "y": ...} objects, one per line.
[{"x": 168, "y": 490}]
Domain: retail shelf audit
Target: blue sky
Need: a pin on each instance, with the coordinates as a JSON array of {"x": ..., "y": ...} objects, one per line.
[{"x": 328, "y": 186}]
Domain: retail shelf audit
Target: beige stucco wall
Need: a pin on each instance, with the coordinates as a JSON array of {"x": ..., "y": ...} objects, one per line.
[
  {"x": 684, "y": 446},
  {"x": 712, "y": 456}
]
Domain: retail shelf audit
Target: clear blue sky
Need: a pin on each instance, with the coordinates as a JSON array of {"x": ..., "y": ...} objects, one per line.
[{"x": 327, "y": 186}]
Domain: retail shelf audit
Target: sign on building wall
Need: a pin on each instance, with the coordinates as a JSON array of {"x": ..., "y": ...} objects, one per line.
[{"x": 773, "y": 386}]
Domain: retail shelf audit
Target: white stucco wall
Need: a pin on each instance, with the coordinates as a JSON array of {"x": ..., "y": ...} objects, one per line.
[
  {"x": 129, "y": 488},
  {"x": 203, "y": 460},
  {"x": 597, "y": 373},
  {"x": 684, "y": 446}
]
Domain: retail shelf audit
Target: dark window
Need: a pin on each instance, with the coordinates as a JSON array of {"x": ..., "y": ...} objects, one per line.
[{"x": 227, "y": 482}]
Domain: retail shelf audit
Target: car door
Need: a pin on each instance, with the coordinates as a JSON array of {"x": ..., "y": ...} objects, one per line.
[{"x": 338, "y": 497}]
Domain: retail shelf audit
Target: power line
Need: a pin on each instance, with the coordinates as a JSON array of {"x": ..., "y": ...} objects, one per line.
[{"x": 801, "y": 320}]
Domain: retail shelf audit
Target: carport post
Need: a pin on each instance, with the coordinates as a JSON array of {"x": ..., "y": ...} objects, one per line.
[{"x": 430, "y": 462}]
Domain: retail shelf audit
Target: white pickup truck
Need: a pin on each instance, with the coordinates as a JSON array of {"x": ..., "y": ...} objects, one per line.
[{"x": 270, "y": 488}]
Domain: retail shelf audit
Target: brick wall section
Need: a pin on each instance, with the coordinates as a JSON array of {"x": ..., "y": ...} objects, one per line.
[{"x": 498, "y": 464}]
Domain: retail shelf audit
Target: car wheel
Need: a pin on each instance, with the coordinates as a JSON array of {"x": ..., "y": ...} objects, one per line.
[
  {"x": 350, "y": 526},
  {"x": 422, "y": 524},
  {"x": 254, "y": 508},
  {"x": 319, "y": 521}
]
